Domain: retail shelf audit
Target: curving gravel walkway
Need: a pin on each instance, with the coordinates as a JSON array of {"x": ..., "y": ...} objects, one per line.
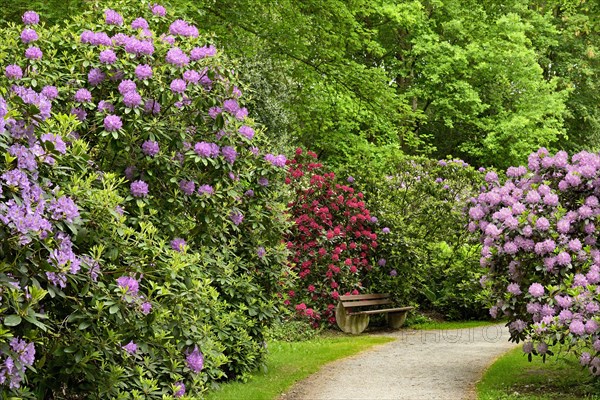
[{"x": 427, "y": 365}]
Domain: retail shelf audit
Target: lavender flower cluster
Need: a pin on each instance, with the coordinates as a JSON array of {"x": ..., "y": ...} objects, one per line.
[{"x": 539, "y": 237}]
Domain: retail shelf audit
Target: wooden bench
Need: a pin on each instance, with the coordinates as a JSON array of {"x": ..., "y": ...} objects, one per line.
[{"x": 351, "y": 319}]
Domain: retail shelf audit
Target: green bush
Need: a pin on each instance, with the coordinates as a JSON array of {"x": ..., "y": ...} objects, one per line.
[
  {"x": 174, "y": 220},
  {"x": 426, "y": 258}
]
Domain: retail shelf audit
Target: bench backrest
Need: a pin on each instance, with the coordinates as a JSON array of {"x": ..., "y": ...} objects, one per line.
[{"x": 363, "y": 300}]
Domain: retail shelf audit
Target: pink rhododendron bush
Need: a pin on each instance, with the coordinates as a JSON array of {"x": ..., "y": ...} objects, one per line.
[
  {"x": 140, "y": 217},
  {"x": 331, "y": 241},
  {"x": 539, "y": 236}
]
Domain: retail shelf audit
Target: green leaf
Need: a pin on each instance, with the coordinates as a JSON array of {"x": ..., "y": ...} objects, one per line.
[
  {"x": 84, "y": 325},
  {"x": 12, "y": 320}
]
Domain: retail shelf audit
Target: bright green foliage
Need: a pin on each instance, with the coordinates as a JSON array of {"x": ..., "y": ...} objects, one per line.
[
  {"x": 426, "y": 258},
  {"x": 487, "y": 81}
]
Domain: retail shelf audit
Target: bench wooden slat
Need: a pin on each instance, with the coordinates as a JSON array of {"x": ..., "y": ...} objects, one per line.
[
  {"x": 363, "y": 303},
  {"x": 389, "y": 310},
  {"x": 363, "y": 296}
]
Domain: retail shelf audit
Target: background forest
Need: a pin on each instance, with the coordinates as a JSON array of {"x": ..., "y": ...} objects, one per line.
[{"x": 488, "y": 82}]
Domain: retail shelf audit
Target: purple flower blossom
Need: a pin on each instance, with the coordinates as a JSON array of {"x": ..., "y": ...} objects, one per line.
[
  {"x": 231, "y": 106},
  {"x": 105, "y": 106},
  {"x": 51, "y": 92},
  {"x": 31, "y": 18},
  {"x": 246, "y": 132},
  {"x": 236, "y": 217},
  {"x": 542, "y": 224},
  {"x": 536, "y": 290},
  {"x": 385, "y": 230},
  {"x": 79, "y": 113},
  {"x": 518, "y": 325},
  {"x": 131, "y": 285},
  {"x": 57, "y": 279},
  {"x": 111, "y": 17},
  {"x": 146, "y": 307},
  {"x": 178, "y": 244},
  {"x": 139, "y": 189},
  {"x": 139, "y": 23},
  {"x": 150, "y": 148},
  {"x": 585, "y": 359},
  {"x": 178, "y": 86},
  {"x": 112, "y": 123},
  {"x": 229, "y": 154},
  {"x": 158, "y": 10},
  {"x": 564, "y": 316},
  {"x": 83, "y": 96},
  {"x": 132, "y": 99},
  {"x": 527, "y": 347},
  {"x": 382, "y": 262},
  {"x": 276, "y": 161},
  {"x": 195, "y": 360},
  {"x": 591, "y": 327},
  {"x": 214, "y": 111},
  {"x": 108, "y": 57},
  {"x": 179, "y": 389},
  {"x": 261, "y": 252},
  {"x": 182, "y": 28},
  {"x": 191, "y": 76},
  {"x": 63, "y": 208},
  {"x": 177, "y": 57},
  {"x": 241, "y": 114},
  {"x": 249, "y": 193},
  {"x": 393, "y": 273},
  {"x": 563, "y": 258},
  {"x": 262, "y": 181},
  {"x": 127, "y": 86},
  {"x": 29, "y": 35},
  {"x": 142, "y": 71},
  {"x": 130, "y": 347},
  {"x": 95, "y": 77},
  {"x": 205, "y": 190},
  {"x": 201, "y": 52},
  {"x": 204, "y": 149},
  {"x": 514, "y": 289},
  {"x": 187, "y": 187},
  {"x": 577, "y": 327},
  {"x": 33, "y": 53}
]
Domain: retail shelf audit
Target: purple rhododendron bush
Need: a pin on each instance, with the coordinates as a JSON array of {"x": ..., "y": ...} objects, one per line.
[
  {"x": 140, "y": 212},
  {"x": 540, "y": 246}
]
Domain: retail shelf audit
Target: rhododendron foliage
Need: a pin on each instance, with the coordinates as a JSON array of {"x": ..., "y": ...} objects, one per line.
[{"x": 538, "y": 231}]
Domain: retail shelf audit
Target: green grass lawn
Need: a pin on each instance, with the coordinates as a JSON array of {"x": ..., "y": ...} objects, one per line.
[
  {"x": 561, "y": 378},
  {"x": 289, "y": 362}
]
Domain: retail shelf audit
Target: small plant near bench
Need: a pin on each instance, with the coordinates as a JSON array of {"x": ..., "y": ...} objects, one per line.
[{"x": 352, "y": 319}]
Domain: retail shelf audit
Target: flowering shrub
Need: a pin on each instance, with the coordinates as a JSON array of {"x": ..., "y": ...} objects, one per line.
[
  {"x": 424, "y": 255},
  {"x": 141, "y": 223},
  {"x": 539, "y": 238},
  {"x": 330, "y": 242}
]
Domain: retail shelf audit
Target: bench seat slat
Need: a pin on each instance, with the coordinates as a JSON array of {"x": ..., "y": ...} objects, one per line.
[
  {"x": 389, "y": 310},
  {"x": 363, "y": 296},
  {"x": 363, "y": 303}
]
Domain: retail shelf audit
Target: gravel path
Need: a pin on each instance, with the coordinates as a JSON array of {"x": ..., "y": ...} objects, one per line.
[{"x": 419, "y": 365}]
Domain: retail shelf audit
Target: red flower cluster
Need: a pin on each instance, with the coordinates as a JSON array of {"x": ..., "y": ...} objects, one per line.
[{"x": 331, "y": 239}]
